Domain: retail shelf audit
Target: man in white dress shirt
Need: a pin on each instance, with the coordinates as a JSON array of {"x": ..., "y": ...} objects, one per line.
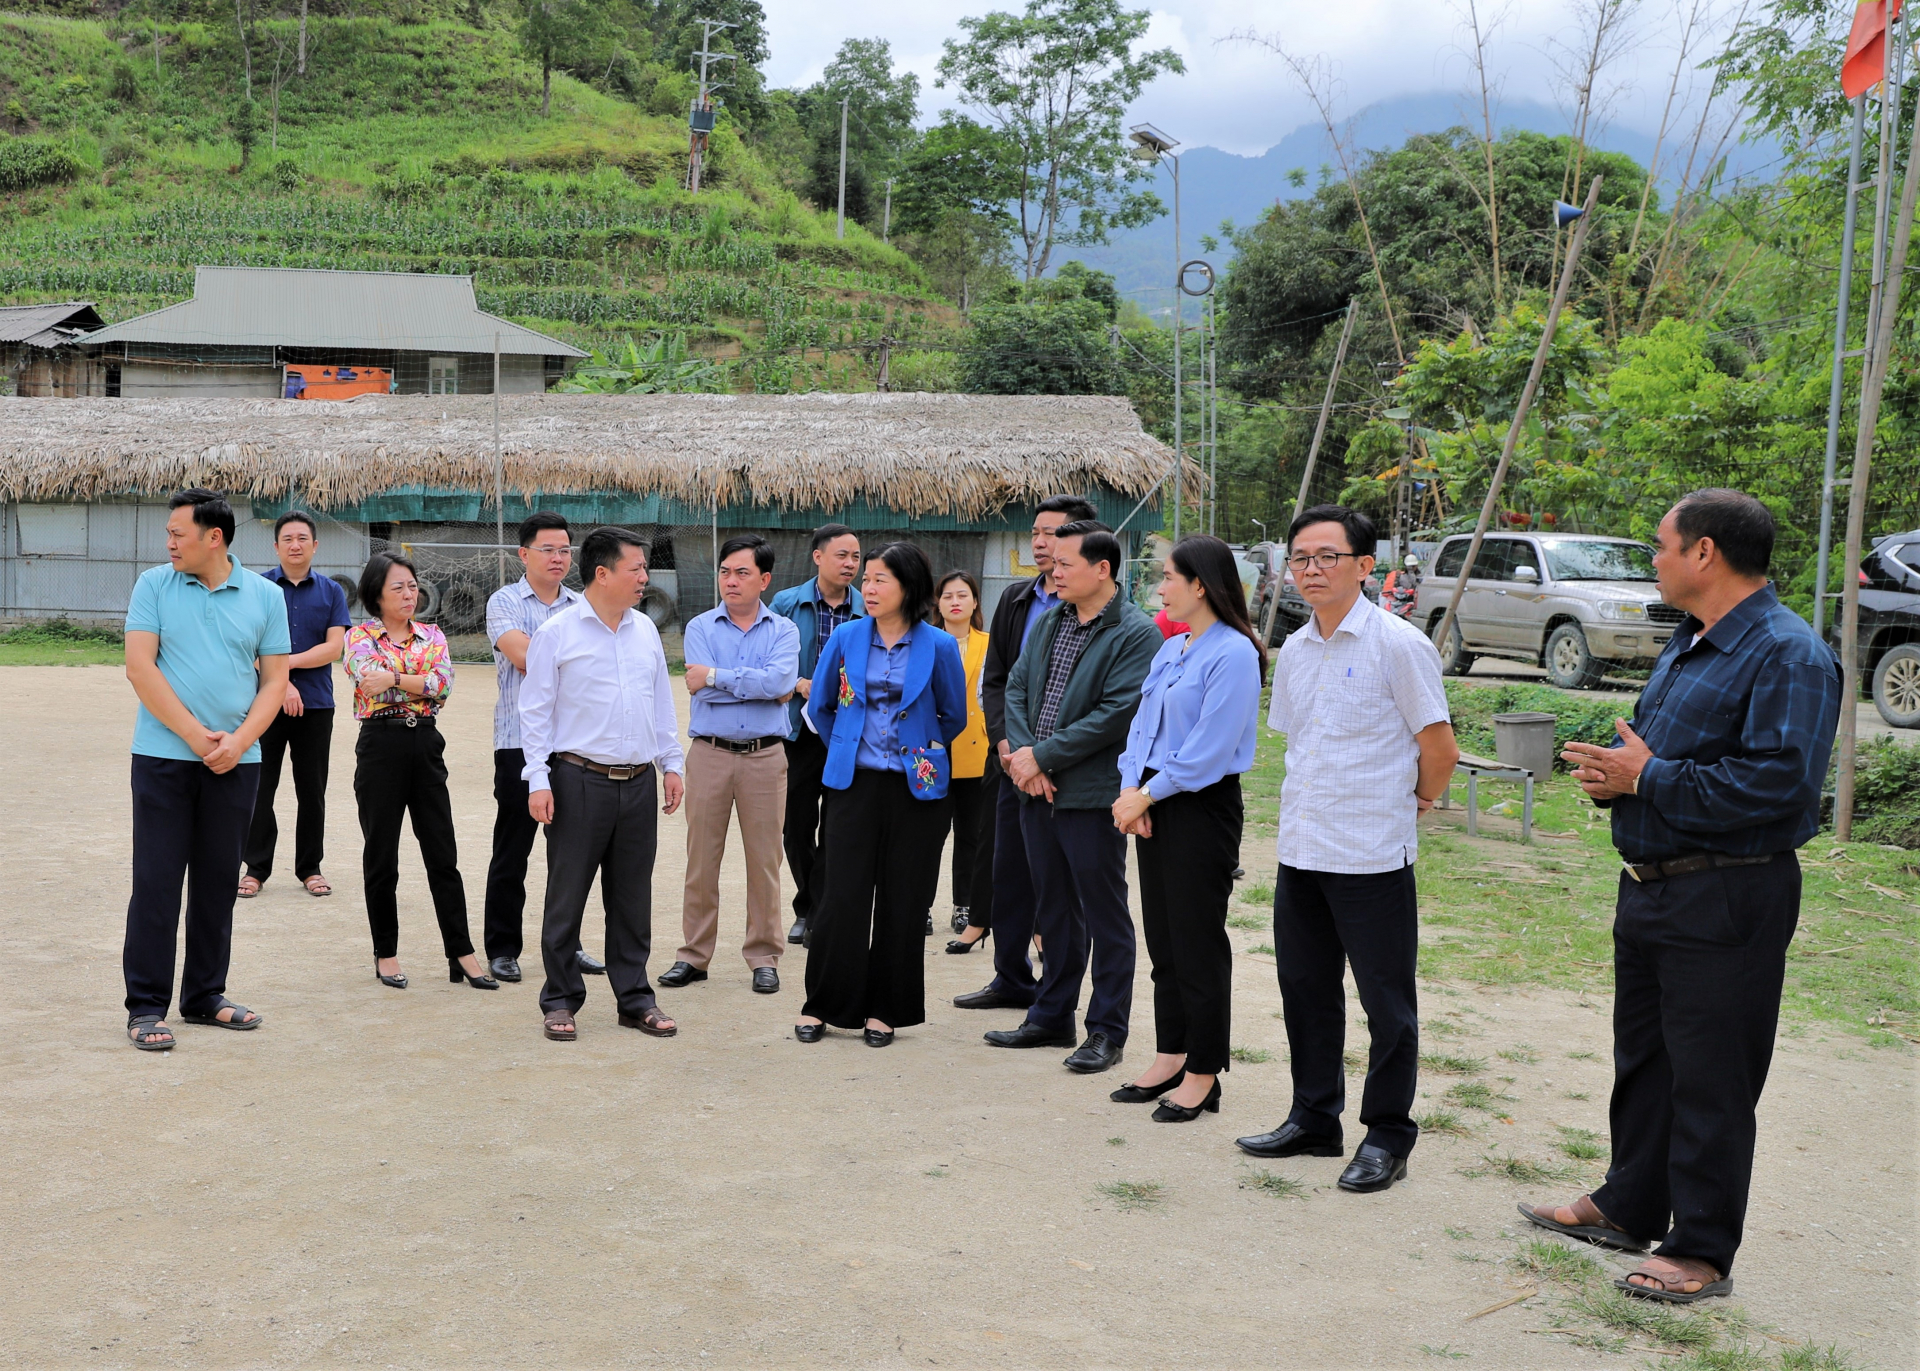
[
  {"x": 597, "y": 724},
  {"x": 1370, "y": 747}
]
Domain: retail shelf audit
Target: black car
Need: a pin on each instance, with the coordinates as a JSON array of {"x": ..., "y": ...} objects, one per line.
[{"x": 1890, "y": 627}]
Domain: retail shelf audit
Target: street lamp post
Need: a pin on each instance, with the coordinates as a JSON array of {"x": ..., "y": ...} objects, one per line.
[{"x": 1156, "y": 147}]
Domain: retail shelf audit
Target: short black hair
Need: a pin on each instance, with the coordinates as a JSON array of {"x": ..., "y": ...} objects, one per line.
[
  {"x": 740, "y": 542},
  {"x": 373, "y": 577},
  {"x": 210, "y": 510},
  {"x": 1362, "y": 534},
  {"x": 1076, "y": 509},
  {"x": 296, "y": 516},
  {"x": 914, "y": 572},
  {"x": 1097, "y": 543},
  {"x": 1741, "y": 527},
  {"x": 538, "y": 522},
  {"x": 826, "y": 533},
  {"x": 602, "y": 548}
]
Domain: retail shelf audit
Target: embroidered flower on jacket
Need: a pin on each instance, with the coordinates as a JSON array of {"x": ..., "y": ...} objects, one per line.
[
  {"x": 846, "y": 689},
  {"x": 924, "y": 772}
]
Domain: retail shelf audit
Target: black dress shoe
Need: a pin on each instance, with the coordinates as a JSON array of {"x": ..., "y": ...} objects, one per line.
[
  {"x": 797, "y": 935},
  {"x": 1291, "y": 1140},
  {"x": 809, "y": 1032},
  {"x": 1372, "y": 1168},
  {"x": 1169, "y": 1112},
  {"x": 590, "y": 966},
  {"x": 1147, "y": 1094},
  {"x": 766, "y": 980},
  {"x": 504, "y": 969},
  {"x": 988, "y": 999},
  {"x": 1031, "y": 1035},
  {"x": 876, "y": 1038},
  {"x": 960, "y": 916},
  {"x": 1097, "y": 1053},
  {"x": 929, "y": 925},
  {"x": 683, "y": 973}
]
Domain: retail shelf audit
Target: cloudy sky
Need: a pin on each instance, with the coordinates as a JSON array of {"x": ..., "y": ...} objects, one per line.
[{"x": 1236, "y": 96}]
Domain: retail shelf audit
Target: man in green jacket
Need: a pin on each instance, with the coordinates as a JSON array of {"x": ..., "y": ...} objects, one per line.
[{"x": 1070, "y": 700}]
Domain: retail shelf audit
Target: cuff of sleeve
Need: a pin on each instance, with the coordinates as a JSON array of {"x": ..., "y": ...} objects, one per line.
[
  {"x": 1147, "y": 790},
  {"x": 1649, "y": 778},
  {"x": 721, "y": 677},
  {"x": 539, "y": 778}
]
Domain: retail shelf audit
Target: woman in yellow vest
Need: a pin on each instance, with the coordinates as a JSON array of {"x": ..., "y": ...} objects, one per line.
[{"x": 974, "y": 789}]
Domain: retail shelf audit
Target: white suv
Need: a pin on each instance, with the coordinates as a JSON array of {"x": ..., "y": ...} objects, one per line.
[{"x": 1569, "y": 602}]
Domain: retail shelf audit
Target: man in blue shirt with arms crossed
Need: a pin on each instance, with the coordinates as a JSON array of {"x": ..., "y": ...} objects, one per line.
[{"x": 195, "y": 629}]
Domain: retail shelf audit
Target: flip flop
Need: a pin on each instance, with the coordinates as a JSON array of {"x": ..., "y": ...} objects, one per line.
[
  {"x": 138, "y": 1028},
  {"x": 555, "y": 1020},
  {"x": 1586, "y": 1232},
  {"x": 1708, "y": 1290},
  {"x": 245, "y": 894},
  {"x": 237, "y": 1022},
  {"x": 652, "y": 1022},
  {"x": 324, "y": 889}
]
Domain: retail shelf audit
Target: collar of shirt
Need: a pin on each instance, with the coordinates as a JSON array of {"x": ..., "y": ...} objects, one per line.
[
  {"x": 816, "y": 595},
  {"x": 1355, "y": 622},
  {"x": 719, "y": 615},
  {"x": 279, "y": 573},
  {"x": 1731, "y": 627},
  {"x": 231, "y": 583},
  {"x": 566, "y": 596}
]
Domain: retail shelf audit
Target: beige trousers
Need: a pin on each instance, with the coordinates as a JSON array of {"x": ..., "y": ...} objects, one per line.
[{"x": 720, "y": 784}]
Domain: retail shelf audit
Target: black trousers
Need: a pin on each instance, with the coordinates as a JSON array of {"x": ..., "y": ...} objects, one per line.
[
  {"x": 400, "y": 772},
  {"x": 610, "y": 829},
  {"x": 1079, "y": 863},
  {"x": 1698, "y": 962},
  {"x": 309, "y": 738},
  {"x": 187, "y": 823},
  {"x": 803, "y": 826},
  {"x": 513, "y": 833},
  {"x": 1324, "y": 921},
  {"x": 1013, "y": 899},
  {"x": 866, "y": 948},
  {"x": 974, "y": 813},
  {"x": 1186, "y": 880}
]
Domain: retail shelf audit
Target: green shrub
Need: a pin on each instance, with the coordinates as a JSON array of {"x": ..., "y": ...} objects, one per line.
[
  {"x": 1886, "y": 793},
  {"x": 29, "y": 162},
  {"x": 1575, "y": 719}
]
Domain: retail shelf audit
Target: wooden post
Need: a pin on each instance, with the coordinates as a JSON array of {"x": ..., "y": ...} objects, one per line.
[
  {"x": 1326, "y": 407},
  {"x": 499, "y": 477}
]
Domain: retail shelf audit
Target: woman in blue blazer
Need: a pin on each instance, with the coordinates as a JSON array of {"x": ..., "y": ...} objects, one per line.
[{"x": 889, "y": 695}]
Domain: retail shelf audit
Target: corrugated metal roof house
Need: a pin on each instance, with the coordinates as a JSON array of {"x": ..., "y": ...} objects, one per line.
[
  {"x": 245, "y": 324},
  {"x": 36, "y": 347}
]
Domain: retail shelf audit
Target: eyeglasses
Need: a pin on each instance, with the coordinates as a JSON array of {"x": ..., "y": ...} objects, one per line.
[
  {"x": 1326, "y": 561},
  {"x": 551, "y": 551}
]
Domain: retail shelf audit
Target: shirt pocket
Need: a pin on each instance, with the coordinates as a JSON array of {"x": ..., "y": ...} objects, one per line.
[{"x": 1350, "y": 699}]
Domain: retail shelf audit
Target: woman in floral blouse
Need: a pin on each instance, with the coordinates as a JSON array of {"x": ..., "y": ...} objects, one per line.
[{"x": 401, "y": 677}]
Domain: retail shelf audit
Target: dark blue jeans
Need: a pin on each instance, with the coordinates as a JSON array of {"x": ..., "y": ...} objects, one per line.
[
  {"x": 1012, "y": 898},
  {"x": 187, "y": 824},
  {"x": 1079, "y": 863}
]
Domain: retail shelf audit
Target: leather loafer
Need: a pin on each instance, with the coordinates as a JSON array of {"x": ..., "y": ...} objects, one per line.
[
  {"x": 988, "y": 999},
  {"x": 591, "y": 966},
  {"x": 1372, "y": 1168},
  {"x": 504, "y": 969},
  {"x": 1291, "y": 1140},
  {"x": 766, "y": 980},
  {"x": 797, "y": 935},
  {"x": 682, "y": 973},
  {"x": 1097, "y": 1053},
  {"x": 1031, "y": 1035},
  {"x": 875, "y": 1038},
  {"x": 809, "y": 1032}
]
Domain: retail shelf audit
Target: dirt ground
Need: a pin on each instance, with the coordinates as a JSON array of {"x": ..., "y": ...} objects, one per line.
[{"x": 419, "y": 1179}]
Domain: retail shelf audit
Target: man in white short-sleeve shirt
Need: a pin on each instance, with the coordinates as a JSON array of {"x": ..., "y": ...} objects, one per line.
[{"x": 1370, "y": 746}]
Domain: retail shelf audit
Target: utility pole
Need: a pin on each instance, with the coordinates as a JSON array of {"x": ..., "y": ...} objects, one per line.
[
  {"x": 886, "y": 219},
  {"x": 1837, "y": 387},
  {"x": 700, "y": 117},
  {"x": 840, "y": 226},
  {"x": 499, "y": 475},
  {"x": 1326, "y": 408}
]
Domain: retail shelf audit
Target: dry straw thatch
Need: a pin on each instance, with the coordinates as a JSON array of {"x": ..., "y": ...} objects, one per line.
[{"x": 961, "y": 455}]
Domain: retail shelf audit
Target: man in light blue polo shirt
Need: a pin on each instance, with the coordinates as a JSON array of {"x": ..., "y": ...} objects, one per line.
[{"x": 195, "y": 628}]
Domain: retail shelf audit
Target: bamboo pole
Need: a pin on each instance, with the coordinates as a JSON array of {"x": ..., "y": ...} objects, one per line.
[
  {"x": 1492, "y": 501},
  {"x": 1326, "y": 407}
]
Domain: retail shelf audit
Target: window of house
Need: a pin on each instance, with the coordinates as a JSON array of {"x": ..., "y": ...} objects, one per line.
[{"x": 443, "y": 376}]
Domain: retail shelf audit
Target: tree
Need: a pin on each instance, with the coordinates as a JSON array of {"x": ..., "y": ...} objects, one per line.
[
  {"x": 882, "y": 105},
  {"x": 957, "y": 166},
  {"x": 677, "y": 35},
  {"x": 1059, "y": 347},
  {"x": 1055, "y": 82},
  {"x": 246, "y": 128},
  {"x": 558, "y": 33}
]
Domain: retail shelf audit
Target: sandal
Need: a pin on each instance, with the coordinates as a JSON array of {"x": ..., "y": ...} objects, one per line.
[
  {"x": 1590, "y": 1225},
  {"x": 238, "y": 1022},
  {"x": 249, "y": 887},
  {"x": 651, "y": 1022},
  {"x": 1665, "y": 1287},
  {"x": 560, "y": 1026},
  {"x": 317, "y": 886},
  {"x": 140, "y": 1027}
]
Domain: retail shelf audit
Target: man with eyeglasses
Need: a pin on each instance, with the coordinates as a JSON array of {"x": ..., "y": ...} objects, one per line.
[
  {"x": 1370, "y": 747},
  {"x": 513, "y": 614}
]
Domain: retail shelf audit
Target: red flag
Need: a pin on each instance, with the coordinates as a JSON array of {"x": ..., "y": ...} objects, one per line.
[{"x": 1865, "y": 63}]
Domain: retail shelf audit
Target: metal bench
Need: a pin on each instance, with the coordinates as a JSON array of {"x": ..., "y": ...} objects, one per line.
[{"x": 1474, "y": 768}]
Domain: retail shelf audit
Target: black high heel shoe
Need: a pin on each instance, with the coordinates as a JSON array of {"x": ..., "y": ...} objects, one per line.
[
  {"x": 1169, "y": 1112},
  {"x": 398, "y": 981},
  {"x": 457, "y": 973},
  {"x": 960, "y": 947},
  {"x": 1147, "y": 1094}
]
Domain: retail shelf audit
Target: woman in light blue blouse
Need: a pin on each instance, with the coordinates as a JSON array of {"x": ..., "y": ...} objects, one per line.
[{"x": 1180, "y": 798}]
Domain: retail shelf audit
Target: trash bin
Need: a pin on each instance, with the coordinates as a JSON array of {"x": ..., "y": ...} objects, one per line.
[{"x": 1525, "y": 740}]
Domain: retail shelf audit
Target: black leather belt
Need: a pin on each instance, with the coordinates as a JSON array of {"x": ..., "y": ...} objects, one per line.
[
  {"x": 612, "y": 773},
  {"x": 406, "y": 719},
  {"x": 743, "y": 745},
  {"x": 1687, "y": 865}
]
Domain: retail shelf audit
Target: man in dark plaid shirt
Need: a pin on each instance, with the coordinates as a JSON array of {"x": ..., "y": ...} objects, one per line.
[{"x": 1712, "y": 787}]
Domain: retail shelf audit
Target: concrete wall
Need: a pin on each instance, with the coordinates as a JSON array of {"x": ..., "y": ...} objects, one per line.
[{"x": 157, "y": 380}]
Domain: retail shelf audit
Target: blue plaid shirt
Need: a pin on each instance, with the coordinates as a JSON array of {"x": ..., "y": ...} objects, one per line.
[{"x": 1741, "y": 723}]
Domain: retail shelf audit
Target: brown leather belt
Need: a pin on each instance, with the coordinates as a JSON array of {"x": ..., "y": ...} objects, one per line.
[
  {"x": 612, "y": 773},
  {"x": 740, "y": 745},
  {"x": 1687, "y": 865}
]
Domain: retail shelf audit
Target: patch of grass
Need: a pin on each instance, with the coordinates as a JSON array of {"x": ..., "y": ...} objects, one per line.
[
  {"x": 1582, "y": 1144},
  {"x": 1280, "y": 1187},
  {"x": 1577, "y": 1095},
  {"x": 1581, "y": 1056},
  {"x": 1449, "y": 1122},
  {"x": 1457, "y": 1234},
  {"x": 1475, "y": 1095},
  {"x": 1523, "y": 1170},
  {"x": 1448, "y": 1064},
  {"x": 61, "y": 642},
  {"x": 1116, "y": 1142},
  {"x": 1546, "y": 1260},
  {"x": 1522, "y": 1053},
  {"x": 1252, "y": 1056},
  {"x": 1627, "y": 1314},
  {"x": 1444, "y": 1350},
  {"x": 1134, "y": 1195},
  {"x": 1256, "y": 894},
  {"x": 1262, "y": 950},
  {"x": 939, "y": 1173},
  {"x": 1811, "y": 1358},
  {"x": 1442, "y": 1028},
  {"x": 1732, "y": 1357},
  {"x": 1354, "y": 1059},
  {"x": 1249, "y": 921}
]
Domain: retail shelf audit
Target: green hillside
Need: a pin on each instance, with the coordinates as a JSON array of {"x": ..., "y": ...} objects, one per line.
[{"x": 420, "y": 147}]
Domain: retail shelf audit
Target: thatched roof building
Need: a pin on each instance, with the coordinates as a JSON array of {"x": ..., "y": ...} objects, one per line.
[{"x": 952, "y": 461}]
